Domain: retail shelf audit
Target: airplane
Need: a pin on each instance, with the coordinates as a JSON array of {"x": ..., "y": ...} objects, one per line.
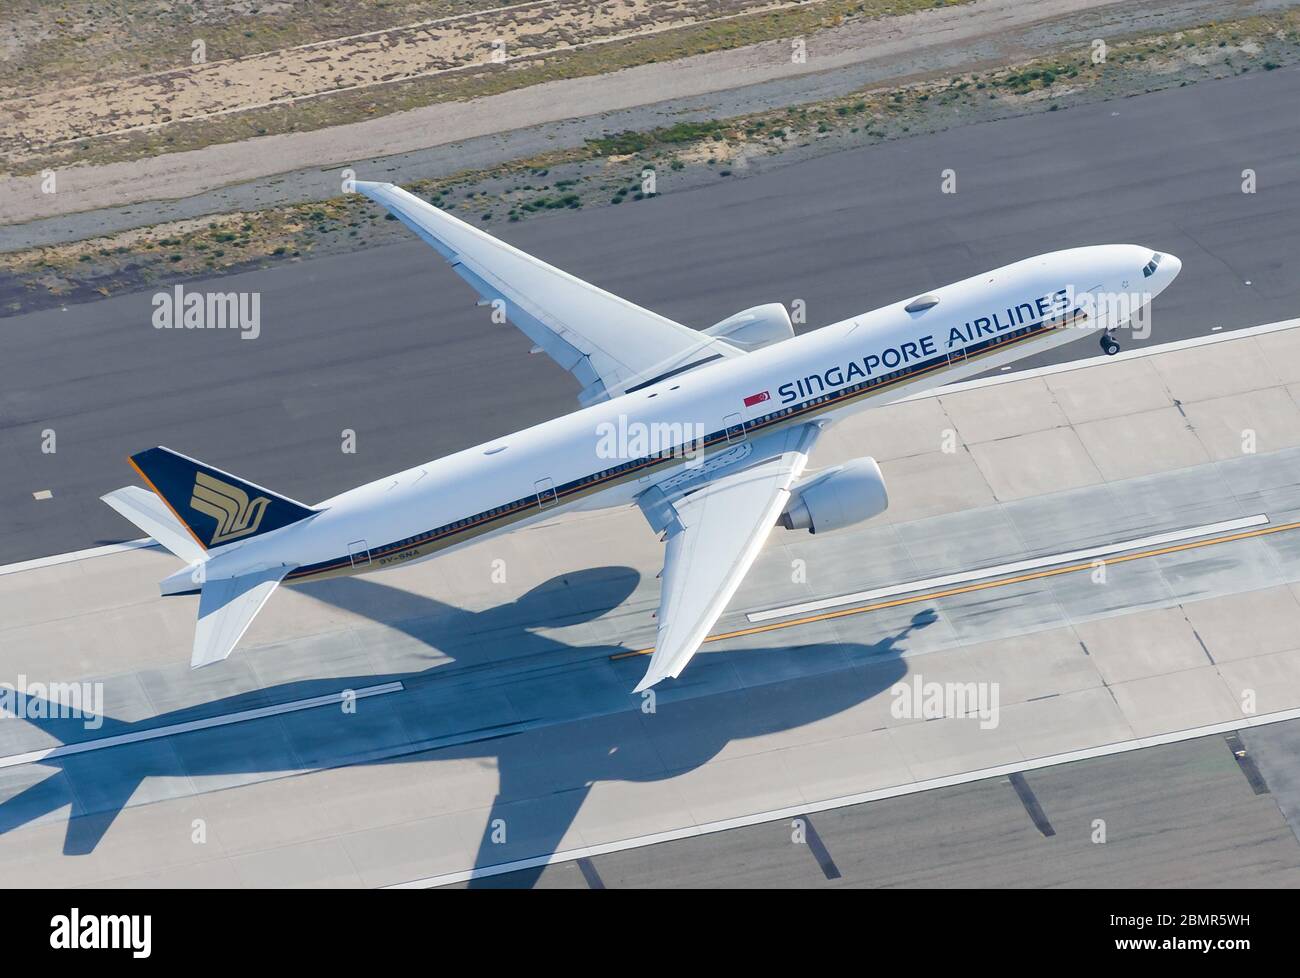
[{"x": 708, "y": 432}]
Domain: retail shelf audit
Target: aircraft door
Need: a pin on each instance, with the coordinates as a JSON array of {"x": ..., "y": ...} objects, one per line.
[
  {"x": 546, "y": 497},
  {"x": 734, "y": 428},
  {"x": 359, "y": 553}
]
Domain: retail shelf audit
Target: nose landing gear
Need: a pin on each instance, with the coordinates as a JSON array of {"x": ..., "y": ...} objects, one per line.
[{"x": 1108, "y": 344}]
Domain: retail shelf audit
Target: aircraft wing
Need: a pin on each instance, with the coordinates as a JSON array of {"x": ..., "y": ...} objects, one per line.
[
  {"x": 609, "y": 344},
  {"x": 714, "y": 535}
]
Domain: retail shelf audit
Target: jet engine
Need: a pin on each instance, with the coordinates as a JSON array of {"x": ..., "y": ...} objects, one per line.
[
  {"x": 755, "y": 328},
  {"x": 843, "y": 496}
]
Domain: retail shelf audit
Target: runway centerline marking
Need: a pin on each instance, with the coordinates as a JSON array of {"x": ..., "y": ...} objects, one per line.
[
  {"x": 985, "y": 585},
  {"x": 157, "y": 733},
  {"x": 1018, "y": 567}
]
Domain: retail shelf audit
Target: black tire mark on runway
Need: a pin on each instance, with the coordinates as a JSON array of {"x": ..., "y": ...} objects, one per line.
[
  {"x": 1204, "y": 648},
  {"x": 819, "y": 850},
  {"x": 1028, "y": 799},
  {"x": 589, "y": 873},
  {"x": 1246, "y": 763}
]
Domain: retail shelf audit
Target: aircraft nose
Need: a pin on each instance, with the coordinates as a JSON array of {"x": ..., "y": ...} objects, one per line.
[{"x": 1161, "y": 269}]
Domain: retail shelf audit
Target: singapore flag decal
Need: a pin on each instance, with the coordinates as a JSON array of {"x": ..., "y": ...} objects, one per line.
[{"x": 757, "y": 398}]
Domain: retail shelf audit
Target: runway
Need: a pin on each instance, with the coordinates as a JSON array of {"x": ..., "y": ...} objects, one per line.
[
  {"x": 491, "y": 725},
  {"x": 388, "y": 343},
  {"x": 1158, "y": 807}
]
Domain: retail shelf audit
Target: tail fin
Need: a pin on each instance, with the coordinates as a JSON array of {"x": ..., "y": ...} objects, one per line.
[{"x": 214, "y": 507}]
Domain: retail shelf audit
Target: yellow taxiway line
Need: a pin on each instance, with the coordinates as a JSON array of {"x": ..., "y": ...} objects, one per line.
[{"x": 983, "y": 585}]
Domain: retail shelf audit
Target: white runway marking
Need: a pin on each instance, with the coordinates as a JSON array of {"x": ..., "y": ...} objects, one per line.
[
  {"x": 845, "y": 801},
  {"x": 155, "y": 733},
  {"x": 68, "y": 558},
  {"x": 1137, "y": 354},
  {"x": 1006, "y": 570}
]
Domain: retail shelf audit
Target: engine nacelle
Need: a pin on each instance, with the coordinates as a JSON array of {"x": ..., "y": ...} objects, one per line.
[
  {"x": 843, "y": 496},
  {"x": 755, "y": 328}
]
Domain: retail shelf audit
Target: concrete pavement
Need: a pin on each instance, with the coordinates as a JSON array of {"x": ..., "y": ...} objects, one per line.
[{"x": 512, "y": 733}]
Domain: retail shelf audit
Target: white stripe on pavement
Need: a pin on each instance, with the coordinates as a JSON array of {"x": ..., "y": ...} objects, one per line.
[
  {"x": 1142, "y": 351},
  {"x": 68, "y": 558},
  {"x": 156, "y": 733},
  {"x": 1006, "y": 570},
  {"x": 845, "y": 801}
]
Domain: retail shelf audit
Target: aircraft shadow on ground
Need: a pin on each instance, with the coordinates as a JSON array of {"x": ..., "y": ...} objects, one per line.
[{"x": 99, "y": 784}]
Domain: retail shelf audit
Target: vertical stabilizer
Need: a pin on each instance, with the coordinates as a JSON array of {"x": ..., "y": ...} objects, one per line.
[{"x": 213, "y": 506}]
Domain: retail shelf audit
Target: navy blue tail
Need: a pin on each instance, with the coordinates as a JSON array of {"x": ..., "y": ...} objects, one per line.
[{"x": 216, "y": 507}]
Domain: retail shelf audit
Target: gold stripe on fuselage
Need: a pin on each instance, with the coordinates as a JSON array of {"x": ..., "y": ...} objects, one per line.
[{"x": 392, "y": 556}]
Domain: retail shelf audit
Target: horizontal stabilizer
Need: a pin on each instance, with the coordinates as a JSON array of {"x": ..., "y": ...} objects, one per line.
[
  {"x": 151, "y": 515},
  {"x": 215, "y": 507},
  {"x": 227, "y": 607}
]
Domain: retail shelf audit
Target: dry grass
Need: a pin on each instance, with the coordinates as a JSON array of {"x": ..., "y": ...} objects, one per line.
[
  {"x": 609, "y": 166},
  {"x": 124, "y": 119}
]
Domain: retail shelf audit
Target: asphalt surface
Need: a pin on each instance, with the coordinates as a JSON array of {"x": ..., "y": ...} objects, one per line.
[
  {"x": 1155, "y": 805},
  {"x": 388, "y": 343}
]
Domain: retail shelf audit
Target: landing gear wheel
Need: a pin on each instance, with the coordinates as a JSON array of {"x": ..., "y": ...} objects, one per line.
[{"x": 1108, "y": 345}]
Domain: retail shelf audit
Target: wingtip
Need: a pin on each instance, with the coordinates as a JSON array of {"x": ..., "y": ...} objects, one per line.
[
  {"x": 653, "y": 676},
  {"x": 646, "y": 683},
  {"x": 371, "y": 187}
]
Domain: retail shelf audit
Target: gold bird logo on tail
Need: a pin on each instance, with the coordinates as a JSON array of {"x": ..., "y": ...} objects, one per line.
[{"x": 229, "y": 505}]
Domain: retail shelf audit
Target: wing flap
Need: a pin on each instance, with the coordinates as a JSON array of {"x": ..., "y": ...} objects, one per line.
[
  {"x": 608, "y": 343},
  {"x": 714, "y": 537},
  {"x": 227, "y": 606}
]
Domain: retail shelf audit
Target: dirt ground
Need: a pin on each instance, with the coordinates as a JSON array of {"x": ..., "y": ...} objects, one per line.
[
  {"x": 209, "y": 94},
  {"x": 172, "y": 175},
  {"x": 50, "y": 117},
  {"x": 608, "y": 169},
  {"x": 896, "y": 48}
]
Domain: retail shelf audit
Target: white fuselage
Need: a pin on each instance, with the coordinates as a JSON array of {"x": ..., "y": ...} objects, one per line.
[{"x": 606, "y": 454}]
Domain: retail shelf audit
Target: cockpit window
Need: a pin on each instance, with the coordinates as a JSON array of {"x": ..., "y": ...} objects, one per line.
[{"x": 1150, "y": 267}]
